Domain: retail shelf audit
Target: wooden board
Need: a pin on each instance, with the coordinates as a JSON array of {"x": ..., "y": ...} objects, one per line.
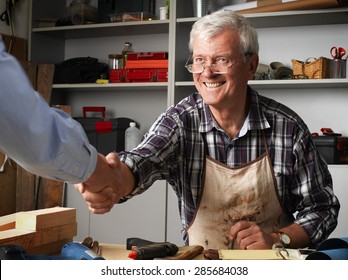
[
  {"x": 8, "y": 222},
  {"x": 25, "y": 184},
  {"x": 45, "y": 74},
  {"x": 45, "y": 218},
  {"x": 8, "y": 174},
  {"x": 53, "y": 248},
  {"x": 18, "y": 237},
  {"x": 32, "y": 239},
  {"x": 16, "y": 46},
  {"x": 50, "y": 193},
  {"x": 25, "y": 190}
]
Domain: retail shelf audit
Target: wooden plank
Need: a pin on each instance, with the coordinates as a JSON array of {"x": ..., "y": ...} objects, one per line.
[
  {"x": 45, "y": 80},
  {"x": 53, "y": 248},
  {"x": 25, "y": 190},
  {"x": 50, "y": 193},
  {"x": 31, "y": 239},
  {"x": 8, "y": 174},
  {"x": 25, "y": 185},
  {"x": 45, "y": 218},
  {"x": 53, "y": 234},
  {"x": 17, "y": 237},
  {"x": 8, "y": 222},
  {"x": 16, "y": 46}
]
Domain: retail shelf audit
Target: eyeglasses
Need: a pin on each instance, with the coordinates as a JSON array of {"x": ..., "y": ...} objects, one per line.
[{"x": 221, "y": 65}]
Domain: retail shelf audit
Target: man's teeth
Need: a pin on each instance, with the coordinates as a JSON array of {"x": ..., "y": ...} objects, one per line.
[{"x": 213, "y": 85}]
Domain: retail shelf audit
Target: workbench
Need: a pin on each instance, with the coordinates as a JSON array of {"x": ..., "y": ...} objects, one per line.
[{"x": 119, "y": 252}]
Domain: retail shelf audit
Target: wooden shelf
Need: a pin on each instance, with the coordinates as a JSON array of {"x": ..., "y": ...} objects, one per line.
[
  {"x": 288, "y": 84},
  {"x": 111, "y": 86},
  {"x": 106, "y": 29},
  {"x": 292, "y": 18}
]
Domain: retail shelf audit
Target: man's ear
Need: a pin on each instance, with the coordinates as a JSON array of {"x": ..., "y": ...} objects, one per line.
[{"x": 253, "y": 63}]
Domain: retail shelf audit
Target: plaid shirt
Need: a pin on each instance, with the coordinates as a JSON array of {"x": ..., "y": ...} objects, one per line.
[{"x": 174, "y": 150}]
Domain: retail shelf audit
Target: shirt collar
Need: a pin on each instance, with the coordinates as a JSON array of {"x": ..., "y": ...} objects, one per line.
[{"x": 255, "y": 118}]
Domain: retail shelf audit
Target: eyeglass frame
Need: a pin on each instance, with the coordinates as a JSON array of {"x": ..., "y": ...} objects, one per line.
[{"x": 232, "y": 63}]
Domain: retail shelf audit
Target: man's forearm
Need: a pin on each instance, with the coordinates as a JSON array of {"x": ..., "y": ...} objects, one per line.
[{"x": 298, "y": 236}]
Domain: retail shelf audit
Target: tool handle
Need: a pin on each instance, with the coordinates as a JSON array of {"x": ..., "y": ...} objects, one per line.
[
  {"x": 139, "y": 242},
  {"x": 154, "y": 251}
]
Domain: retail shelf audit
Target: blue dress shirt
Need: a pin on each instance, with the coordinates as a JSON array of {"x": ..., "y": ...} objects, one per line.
[{"x": 43, "y": 140}]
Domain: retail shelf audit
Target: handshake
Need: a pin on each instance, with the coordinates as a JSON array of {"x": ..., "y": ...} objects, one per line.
[{"x": 110, "y": 181}]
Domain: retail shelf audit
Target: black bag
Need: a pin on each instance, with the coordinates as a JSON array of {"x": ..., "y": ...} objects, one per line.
[{"x": 80, "y": 70}]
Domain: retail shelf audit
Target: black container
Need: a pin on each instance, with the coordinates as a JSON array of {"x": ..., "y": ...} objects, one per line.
[
  {"x": 105, "y": 136},
  {"x": 334, "y": 149}
]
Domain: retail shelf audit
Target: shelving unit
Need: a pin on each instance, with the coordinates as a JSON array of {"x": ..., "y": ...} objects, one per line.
[{"x": 145, "y": 101}]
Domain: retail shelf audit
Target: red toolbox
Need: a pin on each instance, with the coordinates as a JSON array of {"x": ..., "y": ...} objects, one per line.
[
  {"x": 117, "y": 75},
  {"x": 105, "y": 135},
  {"x": 139, "y": 75},
  {"x": 147, "y": 55},
  {"x": 147, "y": 75},
  {"x": 147, "y": 64}
]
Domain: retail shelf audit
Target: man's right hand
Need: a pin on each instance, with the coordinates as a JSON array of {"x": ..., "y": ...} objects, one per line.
[{"x": 111, "y": 180}]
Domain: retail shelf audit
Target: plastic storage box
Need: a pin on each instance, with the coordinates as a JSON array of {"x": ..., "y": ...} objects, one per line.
[
  {"x": 334, "y": 149},
  {"x": 105, "y": 136}
]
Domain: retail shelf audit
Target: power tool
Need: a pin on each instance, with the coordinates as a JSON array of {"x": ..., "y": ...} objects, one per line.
[{"x": 70, "y": 251}]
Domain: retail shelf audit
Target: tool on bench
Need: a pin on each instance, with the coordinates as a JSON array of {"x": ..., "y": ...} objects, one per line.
[
  {"x": 147, "y": 250},
  {"x": 70, "y": 251},
  {"x": 92, "y": 244},
  {"x": 143, "y": 249}
]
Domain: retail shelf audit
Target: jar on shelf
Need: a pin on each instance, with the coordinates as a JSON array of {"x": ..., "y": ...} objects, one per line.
[
  {"x": 115, "y": 61},
  {"x": 127, "y": 49}
]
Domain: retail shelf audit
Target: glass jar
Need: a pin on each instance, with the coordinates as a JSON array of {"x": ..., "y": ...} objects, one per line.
[{"x": 115, "y": 61}]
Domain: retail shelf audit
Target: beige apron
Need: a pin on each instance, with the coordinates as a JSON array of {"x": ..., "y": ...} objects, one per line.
[{"x": 233, "y": 194}]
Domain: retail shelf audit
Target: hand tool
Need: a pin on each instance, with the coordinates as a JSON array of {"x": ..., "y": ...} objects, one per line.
[
  {"x": 92, "y": 244},
  {"x": 152, "y": 251},
  {"x": 70, "y": 251},
  {"x": 337, "y": 52},
  {"x": 139, "y": 242},
  {"x": 145, "y": 249},
  {"x": 189, "y": 254}
]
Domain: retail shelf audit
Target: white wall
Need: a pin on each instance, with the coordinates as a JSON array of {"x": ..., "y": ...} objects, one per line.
[{"x": 20, "y": 17}]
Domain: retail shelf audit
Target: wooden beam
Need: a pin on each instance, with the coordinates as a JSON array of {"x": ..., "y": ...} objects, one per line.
[
  {"x": 32, "y": 239},
  {"x": 45, "y": 218},
  {"x": 8, "y": 222}
]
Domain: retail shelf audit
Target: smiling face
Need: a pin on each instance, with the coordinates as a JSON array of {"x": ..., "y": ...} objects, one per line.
[{"x": 223, "y": 90}]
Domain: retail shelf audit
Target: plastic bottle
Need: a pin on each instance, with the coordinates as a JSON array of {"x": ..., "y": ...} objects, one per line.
[
  {"x": 127, "y": 49},
  {"x": 132, "y": 137}
]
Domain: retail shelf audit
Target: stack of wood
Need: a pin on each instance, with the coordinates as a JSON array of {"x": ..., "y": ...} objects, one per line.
[{"x": 42, "y": 231}]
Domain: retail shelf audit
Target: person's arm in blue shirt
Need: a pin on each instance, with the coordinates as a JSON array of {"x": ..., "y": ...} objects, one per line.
[{"x": 43, "y": 140}]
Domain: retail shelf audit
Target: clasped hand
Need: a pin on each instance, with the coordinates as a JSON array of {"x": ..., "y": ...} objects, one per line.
[{"x": 104, "y": 188}]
